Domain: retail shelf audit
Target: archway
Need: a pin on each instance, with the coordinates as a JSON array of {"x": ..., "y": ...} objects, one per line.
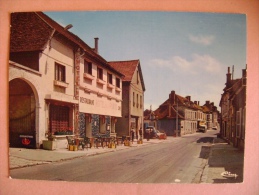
[{"x": 22, "y": 114}]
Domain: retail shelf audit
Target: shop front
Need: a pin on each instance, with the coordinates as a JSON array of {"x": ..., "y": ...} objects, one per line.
[
  {"x": 61, "y": 121},
  {"x": 98, "y": 116}
]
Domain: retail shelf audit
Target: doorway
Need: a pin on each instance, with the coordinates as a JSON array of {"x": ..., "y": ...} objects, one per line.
[{"x": 22, "y": 107}]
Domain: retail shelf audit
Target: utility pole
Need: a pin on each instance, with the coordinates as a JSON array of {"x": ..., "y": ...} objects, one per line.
[{"x": 176, "y": 128}]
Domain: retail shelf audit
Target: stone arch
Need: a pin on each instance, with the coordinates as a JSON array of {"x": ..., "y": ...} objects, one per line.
[{"x": 23, "y": 113}]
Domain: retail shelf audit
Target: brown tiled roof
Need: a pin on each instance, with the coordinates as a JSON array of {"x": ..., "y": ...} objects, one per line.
[
  {"x": 125, "y": 67},
  {"x": 30, "y": 31},
  {"x": 205, "y": 109},
  {"x": 163, "y": 110}
]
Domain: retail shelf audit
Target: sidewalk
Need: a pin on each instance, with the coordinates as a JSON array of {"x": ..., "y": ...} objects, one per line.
[
  {"x": 22, "y": 157},
  {"x": 224, "y": 158}
]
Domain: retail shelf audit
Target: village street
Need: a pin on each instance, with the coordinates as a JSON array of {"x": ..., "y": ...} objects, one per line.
[{"x": 176, "y": 160}]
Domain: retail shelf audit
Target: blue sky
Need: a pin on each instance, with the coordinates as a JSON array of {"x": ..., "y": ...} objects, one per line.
[{"x": 185, "y": 52}]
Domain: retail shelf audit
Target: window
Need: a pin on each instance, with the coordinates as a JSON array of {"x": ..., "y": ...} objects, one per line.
[
  {"x": 238, "y": 123},
  {"x": 137, "y": 100},
  {"x": 118, "y": 83},
  {"x": 58, "y": 118},
  {"x": 133, "y": 99},
  {"x": 109, "y": 78},
  {"x": 140, "y": 101},
  {"x": 137, "y": 78},
  {"x": 102, "y": 124},
  {"x": 88, "y": 67},
  {"x": 60, "y": 72},
  {"x": 100, "y": 73}
]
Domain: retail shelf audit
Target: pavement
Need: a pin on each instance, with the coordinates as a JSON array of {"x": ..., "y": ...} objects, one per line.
[{"x": 224, "y": 163}]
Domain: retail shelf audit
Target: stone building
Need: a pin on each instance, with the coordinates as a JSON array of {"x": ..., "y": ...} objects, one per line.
[
  {"x": 233, "y": 110},
  {"x": 178, "y": 115}
]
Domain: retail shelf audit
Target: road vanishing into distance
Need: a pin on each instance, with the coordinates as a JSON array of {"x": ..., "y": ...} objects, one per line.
[{"x": 176, "y": 160}]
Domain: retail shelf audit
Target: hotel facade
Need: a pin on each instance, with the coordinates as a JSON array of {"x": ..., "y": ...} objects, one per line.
[{"x": 58, "y": 85}]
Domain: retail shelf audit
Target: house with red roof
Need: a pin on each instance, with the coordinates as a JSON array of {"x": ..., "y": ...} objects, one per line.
[
  {"x": 178, "y": 115},
  {"x": 233, "y": 110},
  {"x": 58, "y": 85},
  {"x": 133, "y": 89}
]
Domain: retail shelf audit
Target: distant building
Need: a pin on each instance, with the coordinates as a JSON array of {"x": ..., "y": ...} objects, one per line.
[
  {"x": 178, "y": 115},
  {"x": 233, "y": 110},
  {"x": 212, "y": 115},
  {"x": 133, "y": 89},
  {"x": 149, "y": 118}
]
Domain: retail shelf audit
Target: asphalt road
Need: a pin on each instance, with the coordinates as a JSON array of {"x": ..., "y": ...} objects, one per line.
[{"x": 180, "y": 160}]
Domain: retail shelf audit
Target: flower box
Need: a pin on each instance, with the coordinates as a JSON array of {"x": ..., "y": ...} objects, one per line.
[
  {"x": 63, "y": 133},
  {"x": 49, "y": 145}
]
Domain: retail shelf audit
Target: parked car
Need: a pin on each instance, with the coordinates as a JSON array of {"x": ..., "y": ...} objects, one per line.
[
  {"x": 161, "y": 134},
  {"x": 151, "y": 130},
  {"x": 154, "y": 133}
]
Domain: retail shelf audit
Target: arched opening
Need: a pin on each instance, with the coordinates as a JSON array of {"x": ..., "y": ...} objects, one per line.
[{"x": 22, "y": 114}]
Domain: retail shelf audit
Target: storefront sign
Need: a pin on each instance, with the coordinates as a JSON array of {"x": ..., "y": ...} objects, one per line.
[
  {"x": 77, "y": 74},
  {"x": 86, "y": 101}
]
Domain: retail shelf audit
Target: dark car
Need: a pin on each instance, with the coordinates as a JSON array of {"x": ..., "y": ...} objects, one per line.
[{"x": 150, "y": 132}]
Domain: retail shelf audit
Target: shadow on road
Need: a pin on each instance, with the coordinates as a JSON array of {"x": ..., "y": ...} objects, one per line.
[
  {"x": 205, "y": 152},
  {"x": 205, "y": 140}
]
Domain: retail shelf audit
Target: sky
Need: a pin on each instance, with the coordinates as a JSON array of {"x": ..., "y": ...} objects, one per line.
[{"x": 185, "y": 52}]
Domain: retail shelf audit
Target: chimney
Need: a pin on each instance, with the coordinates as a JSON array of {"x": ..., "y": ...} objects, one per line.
[
  {"x": 172, "y": 97},
  {"x": 195, "y": 102},
  {"x": 198, "y": 103},
  {"x": 244, "y": 73},
  {"x": 228, "y": 77},
  {"x": 171, "y": 102},
  {"x": 96, "y": 44},
  {"x": 188, "y": 98},
  {"x": 207, "y": 103}
]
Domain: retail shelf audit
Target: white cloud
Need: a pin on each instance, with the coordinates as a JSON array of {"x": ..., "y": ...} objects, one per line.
[
  {"x": 198, "y": 64},
  {"x": 202, "y": 39}
]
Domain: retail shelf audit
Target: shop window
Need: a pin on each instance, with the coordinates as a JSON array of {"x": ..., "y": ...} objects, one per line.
[
  {"x": 88, "y": 67},
  {"x": 59, "y": 119},
  {"x": 60, "y": 72},
  {"x": 102, "y": 124},
  {"x": 100, "y": 73}
]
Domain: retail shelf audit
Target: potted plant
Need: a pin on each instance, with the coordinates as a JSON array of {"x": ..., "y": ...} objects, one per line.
[{"x": 49, "y": 144}]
